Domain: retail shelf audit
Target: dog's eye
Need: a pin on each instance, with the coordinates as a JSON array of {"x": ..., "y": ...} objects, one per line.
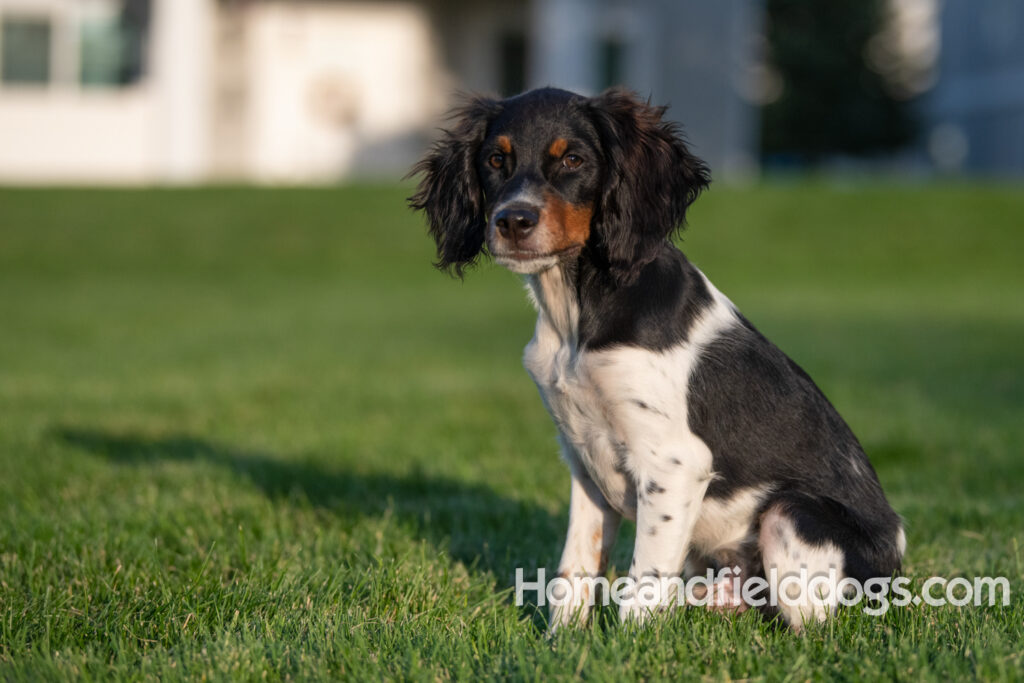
[
  {"x": 572, "y": 161},
  {"x": 496, "y": 160}
]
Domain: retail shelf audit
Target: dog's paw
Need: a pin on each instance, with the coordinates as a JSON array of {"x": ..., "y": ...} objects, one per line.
[
  {"x": 648, "y": 596},
  {"x": 570, "y": 606},
  {"x": 567, "y": 616},
  {"x": 633, "y": 612}
]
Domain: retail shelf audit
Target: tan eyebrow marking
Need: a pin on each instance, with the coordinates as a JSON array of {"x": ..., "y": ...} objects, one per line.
[
  {"x": 558, "y": 147},
  {"x": 504, "y": 144}
]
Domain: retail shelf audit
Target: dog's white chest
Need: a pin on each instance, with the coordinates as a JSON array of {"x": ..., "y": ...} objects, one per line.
[
  {"x": 584, "y": 416},
  {"x": 621, "y": 411}
]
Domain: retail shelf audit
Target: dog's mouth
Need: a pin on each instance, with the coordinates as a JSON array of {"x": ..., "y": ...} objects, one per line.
[
  {"x": 516, "y": 254},
  {"x": 529, "y": 261}
]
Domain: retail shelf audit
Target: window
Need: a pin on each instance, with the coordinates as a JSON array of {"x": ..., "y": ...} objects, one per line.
[
  {"x": 102, "y": 46},
  {"x": 86, "y": 43},
  {"x": 134, "y": 20},
  {"x": 112, "y": 42},
  {"x": 25, "y": 50}
]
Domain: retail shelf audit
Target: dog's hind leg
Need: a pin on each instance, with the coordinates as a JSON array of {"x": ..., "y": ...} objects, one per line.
[{"x": 804, "y": 576}]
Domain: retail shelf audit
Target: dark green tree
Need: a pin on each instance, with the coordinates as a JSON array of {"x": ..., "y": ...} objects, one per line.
[{"x": 830, "y": 100}]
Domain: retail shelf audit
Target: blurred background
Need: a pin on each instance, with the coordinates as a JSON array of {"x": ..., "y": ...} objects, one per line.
[
  {"x": 247, "y": 431},
  {"x": 154, "y": 91}
]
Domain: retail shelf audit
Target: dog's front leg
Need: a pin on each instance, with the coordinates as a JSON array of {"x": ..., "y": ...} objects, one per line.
[
  {"x": 669, "y": 494},
  {"x": 593, "y": 524}
]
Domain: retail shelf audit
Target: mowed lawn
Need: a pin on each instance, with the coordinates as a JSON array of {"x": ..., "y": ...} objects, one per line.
[{"x": 252, "y": 433}]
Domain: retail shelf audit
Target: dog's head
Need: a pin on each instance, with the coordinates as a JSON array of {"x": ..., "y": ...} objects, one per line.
[{"x": 541, "y": 176}]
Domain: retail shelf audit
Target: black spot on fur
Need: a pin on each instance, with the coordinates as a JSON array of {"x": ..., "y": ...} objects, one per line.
[
  {"x": 666, "y": 518},
  {"x": 653, "y": 487},
  {"x": 643, "y": 405},
  {"x": 621, "y": 462}
]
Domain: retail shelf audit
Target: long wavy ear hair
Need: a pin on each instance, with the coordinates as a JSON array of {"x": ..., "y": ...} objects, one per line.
[
  {"x": 651, "y": 180},
  {"x": 449, "y": 191}
]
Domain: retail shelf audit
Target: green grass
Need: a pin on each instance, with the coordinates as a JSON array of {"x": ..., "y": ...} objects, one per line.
[{"x": 249, "y": 433}]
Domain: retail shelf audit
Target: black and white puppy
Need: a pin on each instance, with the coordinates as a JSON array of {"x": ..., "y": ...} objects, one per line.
[{"x": 672, "y": 409}]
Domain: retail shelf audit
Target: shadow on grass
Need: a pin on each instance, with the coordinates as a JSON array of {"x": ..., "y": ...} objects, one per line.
[{"x": 475, "y": 524}]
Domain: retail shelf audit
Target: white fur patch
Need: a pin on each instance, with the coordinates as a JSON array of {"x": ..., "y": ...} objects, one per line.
[{"x": 725, "y": 524}]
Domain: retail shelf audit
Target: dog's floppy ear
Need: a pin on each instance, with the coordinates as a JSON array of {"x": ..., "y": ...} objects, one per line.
[
  {"x": 449, "y": 191},
  {"x": 651, "y": 179}
]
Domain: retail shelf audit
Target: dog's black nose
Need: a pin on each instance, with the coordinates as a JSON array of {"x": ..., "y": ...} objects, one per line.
[{"x": 516, "y": 222}]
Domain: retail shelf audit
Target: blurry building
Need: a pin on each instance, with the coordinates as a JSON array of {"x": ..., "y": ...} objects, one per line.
[
  {"x": 318, "y": 90},
  {"x": 976, "y": 108},
  {"x": 191, "y": 90}
]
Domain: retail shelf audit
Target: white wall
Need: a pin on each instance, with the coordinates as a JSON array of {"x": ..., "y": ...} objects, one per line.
[
  {"x": 336, "y": 88},
  {"x": 154, "y": 130},
  {"x": 69, "y": 137}
]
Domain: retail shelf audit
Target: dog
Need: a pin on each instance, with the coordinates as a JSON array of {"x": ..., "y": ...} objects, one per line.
[{"x": 672, "y": 409}]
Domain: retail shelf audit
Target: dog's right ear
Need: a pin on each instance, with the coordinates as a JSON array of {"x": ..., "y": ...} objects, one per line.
[{"x": 449, "y": 191}]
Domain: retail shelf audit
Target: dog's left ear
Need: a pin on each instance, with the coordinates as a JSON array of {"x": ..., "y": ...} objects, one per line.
[
  {"x": 449, "y": 191},
  {"x": 651, "y": 180}
]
